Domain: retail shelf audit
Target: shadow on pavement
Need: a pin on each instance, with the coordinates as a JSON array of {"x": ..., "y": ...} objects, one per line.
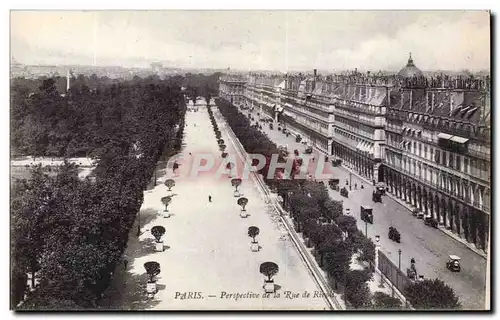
[
  {"x": 146, "y": 216},
  {"x": 128, "y": 292}
]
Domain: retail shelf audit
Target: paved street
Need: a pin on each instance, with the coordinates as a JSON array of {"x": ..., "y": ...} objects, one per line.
[
  {"x": 207, "y": 246},
  {"x": 429, "y": 247}
]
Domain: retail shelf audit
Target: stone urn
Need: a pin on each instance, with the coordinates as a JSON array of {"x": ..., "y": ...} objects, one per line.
[
  {"x": 236, "y": 193},
  {"x": 151, "y": 288},
  {"x": 159, "y": 246},
  {"x": 243, "y": 214},
  {"x": 269, "y": 286},
  {"x": 166, "y": 214},
  {"x": 254, "y": 246}
]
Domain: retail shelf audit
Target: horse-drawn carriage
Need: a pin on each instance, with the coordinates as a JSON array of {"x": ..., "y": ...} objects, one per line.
[
  {"x": 344, "y": 192},
  {"x": 412, "y": 274},
  {"x": 377, "y": 196},
  {"x": 394, "y": 234},
  {"x": 430, "y": 221},
  {"x": 336, "y": 162},
  {"x": 334, "y": 184}
]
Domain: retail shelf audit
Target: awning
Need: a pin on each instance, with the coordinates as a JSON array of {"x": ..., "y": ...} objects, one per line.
[
  {"x": 444, "y": 136},
  {"x": 459, "y": 139}
]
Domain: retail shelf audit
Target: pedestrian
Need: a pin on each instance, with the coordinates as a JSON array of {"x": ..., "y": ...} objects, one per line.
[
  {"x": 355, "y": 186},
  {"x": 125, "y": 263},
  {"x": 209, "y": 198},
  {"x": 313, "y": 159},
  {"x": 362, "y": 186}
]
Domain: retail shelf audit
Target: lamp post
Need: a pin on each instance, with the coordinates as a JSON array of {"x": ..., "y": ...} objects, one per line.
[
  {"x": 350, "y": 180},
  {"x": 399, "y": 251},
  {"x": 366, "y": 230}
]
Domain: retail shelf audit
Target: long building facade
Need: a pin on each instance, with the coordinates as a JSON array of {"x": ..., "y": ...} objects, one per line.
[{"x": 427, "y": 138}]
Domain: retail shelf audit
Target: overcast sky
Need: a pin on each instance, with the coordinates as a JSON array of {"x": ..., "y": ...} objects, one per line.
[{"x": 277, "y": 40}]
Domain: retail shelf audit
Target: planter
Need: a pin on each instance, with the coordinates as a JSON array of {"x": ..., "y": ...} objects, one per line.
[
  {"x": 166, "y": 214},
  {"x": 159, "y": 246},
  {"x": 255, "y": 247},
  {"x": 236, "y": 194},
  {"x": 269, "y": 286},
  {"x": 151, "y": 288},
  {"x": 243, "y": 214}
]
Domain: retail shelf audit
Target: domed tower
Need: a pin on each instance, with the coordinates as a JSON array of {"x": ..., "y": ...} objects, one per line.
[{"x": 410, "y": 70}]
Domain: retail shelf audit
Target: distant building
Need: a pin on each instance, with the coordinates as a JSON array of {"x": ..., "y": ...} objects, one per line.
[
  {"x": 427, "y": 138},
  {"x": 157, "y": 67}
]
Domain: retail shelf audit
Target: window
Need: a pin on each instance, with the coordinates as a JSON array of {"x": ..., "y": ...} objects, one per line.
[
  {"x": 419, "y": 149},
  {"x": 466, "y": 165},
  {"x": 459, "y": 163},
  {"x": 425, "y": 151},
  {"x": 414, "y": 147},
  {"x": 444, "y": 162}
]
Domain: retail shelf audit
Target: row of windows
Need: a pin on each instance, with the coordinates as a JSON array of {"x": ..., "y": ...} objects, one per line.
[
  {"x": 474, "y": 167},
  {"x": 435, "y": 177}
]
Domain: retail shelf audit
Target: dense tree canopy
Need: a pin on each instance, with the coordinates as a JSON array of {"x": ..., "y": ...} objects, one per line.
[
  {"x": 72, "y": 232},
  {"x": 432, "y": 295}
]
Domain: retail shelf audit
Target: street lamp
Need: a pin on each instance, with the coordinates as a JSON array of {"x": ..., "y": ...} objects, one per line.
[
  {"x": 366, "y": 228},
  {"x": 350, "y": 180},
  {"x": 399, "y": 251}
]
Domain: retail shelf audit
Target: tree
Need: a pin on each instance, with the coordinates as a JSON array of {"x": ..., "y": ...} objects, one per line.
[
  {"x": 338, "y": 261},
  {"x": 253, "y": 232},
  {"x": 332, "y": 209},
  {"x": 269, "y": 269},
  {"x": 152, "y": 269},
  {"x": 367, "y": 248},
  {"x": 158, "y": 232},
  {"x": 166, "y": 201},
  {"x": 220, "y": 141},
  {"x": 384, "y": 301},
  {"x": 222, "y": 147},
  {"x": 347, "y": 224},
  {"x": 236, "y": 182},
  {"x": 242, "y": 202},
  {"x": 356, "y": 289},
  {"x": 169, "y": 183},
  {"x": 431, "y": 294}
]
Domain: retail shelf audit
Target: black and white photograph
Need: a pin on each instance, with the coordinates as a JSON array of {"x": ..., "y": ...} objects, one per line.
[{"x": 250, "y": 160}]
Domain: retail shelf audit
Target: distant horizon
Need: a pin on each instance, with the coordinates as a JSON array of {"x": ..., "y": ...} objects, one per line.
[{"x": 242, "y": 70}]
